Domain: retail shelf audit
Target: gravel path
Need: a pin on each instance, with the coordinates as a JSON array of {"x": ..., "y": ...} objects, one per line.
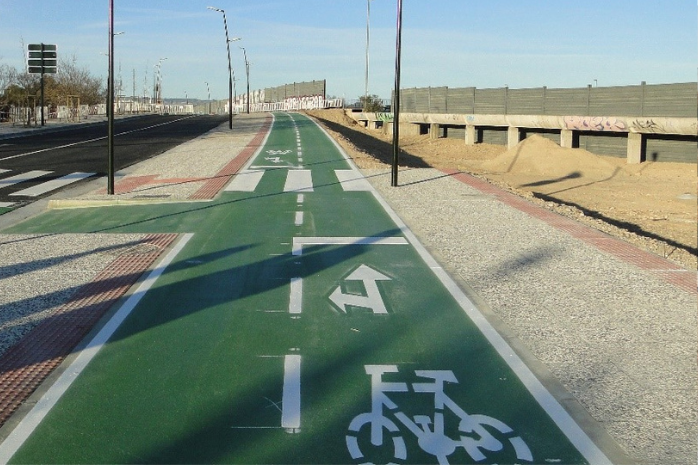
[{"x": 620, "y": 340}]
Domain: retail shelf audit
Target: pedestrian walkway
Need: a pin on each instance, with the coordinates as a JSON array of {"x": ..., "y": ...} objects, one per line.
[{"x": 586, "y": 321}]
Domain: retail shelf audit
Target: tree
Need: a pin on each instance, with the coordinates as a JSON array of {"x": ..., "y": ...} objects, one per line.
[
  {"x": 73, "y": 80},
  {"x": 371, "y": 103}
]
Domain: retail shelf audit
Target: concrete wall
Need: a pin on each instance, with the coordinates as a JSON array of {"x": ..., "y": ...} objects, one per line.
[{"x": 636, "y": 138}]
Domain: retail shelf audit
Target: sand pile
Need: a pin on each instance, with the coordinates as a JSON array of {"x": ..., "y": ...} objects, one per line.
[{"x": 539, "y": 157}]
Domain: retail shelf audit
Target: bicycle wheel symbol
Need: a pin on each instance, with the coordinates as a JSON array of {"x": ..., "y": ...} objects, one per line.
[{"x": 399, "y": 450}]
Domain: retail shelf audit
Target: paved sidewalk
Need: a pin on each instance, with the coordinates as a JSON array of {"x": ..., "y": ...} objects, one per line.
[{"x": 614, "y": 326}]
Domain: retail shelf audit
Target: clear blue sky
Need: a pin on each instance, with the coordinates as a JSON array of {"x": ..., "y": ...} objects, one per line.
[{"x": 455, "y": 43}]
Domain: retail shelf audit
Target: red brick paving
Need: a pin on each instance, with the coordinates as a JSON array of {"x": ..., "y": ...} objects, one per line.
[
  {"x": 25, "y": 365},
  {"x": 217, "y": 182},
  {"x": 658, "y": 266}
]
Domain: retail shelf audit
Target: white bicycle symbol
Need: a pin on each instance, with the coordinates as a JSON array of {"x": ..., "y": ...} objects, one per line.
[{"x": 430, "y": 432}]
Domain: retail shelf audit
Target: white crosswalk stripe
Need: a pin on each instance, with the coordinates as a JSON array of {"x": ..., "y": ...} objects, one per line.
[
  {"x": 245, "y": 181},
  {"x": 297, "y": 181},
  {"x": 52, "y": 185},
  {"x": 352, "y": 180},
  {"x": 28, "y": 176}
]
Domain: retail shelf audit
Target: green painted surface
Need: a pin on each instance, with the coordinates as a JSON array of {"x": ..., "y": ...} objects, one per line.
[{"x": 196, "y": 373}]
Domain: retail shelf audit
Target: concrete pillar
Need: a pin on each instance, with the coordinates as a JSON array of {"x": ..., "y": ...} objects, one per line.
[
  {"x": 372, "y": 124},
  {"x": 567, "y": 138},
  {"x": 636, "y": 147},
  {"x": 513, "y": 137},
  {"x": 434, "y": 131},
  {"x": 470, "y": 135}
]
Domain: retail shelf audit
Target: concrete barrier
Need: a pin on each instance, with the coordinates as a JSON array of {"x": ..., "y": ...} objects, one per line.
[{"x": 637, "y": 128}]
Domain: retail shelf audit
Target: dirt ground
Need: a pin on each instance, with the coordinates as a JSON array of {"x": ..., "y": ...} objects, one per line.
[{"x": 652, "y": 205}]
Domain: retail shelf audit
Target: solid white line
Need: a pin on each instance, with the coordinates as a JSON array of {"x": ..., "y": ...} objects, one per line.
[
  {"x": 6, "y": 204},
  {"x": 54, "y": 184},
  {"x": 29, "y": 423},
  {"x": 301, "y": 198},
  {"x": 245, "y": 181},
  {"x": 300, "y": 242},
  {"x": 3, "y": 171},
  {"x": 291, "y": 400},
  {"x": 28, "y": 176},
  {"x": 299, "y": 181},
  {"x": 545, "y": 399},
  {"x": 295, "y": 306}
]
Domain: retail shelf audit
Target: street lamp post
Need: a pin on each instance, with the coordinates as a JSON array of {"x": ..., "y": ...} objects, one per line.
[
  {"x": 396, "y": 99},
  {"x": 368, "y": 38},
  {"x": 209, "y": 97},
  {"x": 247, "y": 72},
  {"x": 110, "y": 104},
  {"x": 230, "y": 67}
]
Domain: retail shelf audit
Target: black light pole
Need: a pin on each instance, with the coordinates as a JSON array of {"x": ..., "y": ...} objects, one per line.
[
  {"x": 110, "y": 104},
  {"x": 396, "y": 99},
  {"x": 230, "y": 68},
  {"x": 247, "y": 72}
]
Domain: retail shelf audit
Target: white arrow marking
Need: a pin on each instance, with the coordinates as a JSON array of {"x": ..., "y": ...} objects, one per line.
[{"x": 372, "y": 300}]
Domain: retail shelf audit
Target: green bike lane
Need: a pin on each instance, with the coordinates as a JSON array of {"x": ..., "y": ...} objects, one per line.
[{"x": 298, "y": 321}]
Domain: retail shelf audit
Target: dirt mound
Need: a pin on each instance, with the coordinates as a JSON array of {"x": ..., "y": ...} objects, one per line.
[
  {"x": 541, "y": 157},
  {"x": 651, "y": 204}
]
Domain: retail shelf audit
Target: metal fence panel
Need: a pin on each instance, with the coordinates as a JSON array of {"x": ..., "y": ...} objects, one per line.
[
  {"x": 525, "y": 101},
  {"x": 616, "y": 101},
  {"x": 564, "y": 102},
  {"x": 678, "y": 100},
  {"x": 438, "y": 100},
  {"x": 461, "y": 100},
  {"x": 490, "y": 101}
]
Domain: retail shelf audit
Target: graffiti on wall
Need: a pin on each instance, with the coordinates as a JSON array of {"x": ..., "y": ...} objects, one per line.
[{"x": 595, "y": 123}]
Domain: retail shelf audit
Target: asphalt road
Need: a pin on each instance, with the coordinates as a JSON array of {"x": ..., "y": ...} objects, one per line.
[{"x": 80, "y": 153}]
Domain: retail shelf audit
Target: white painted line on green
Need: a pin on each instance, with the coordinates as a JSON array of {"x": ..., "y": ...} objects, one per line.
[
  {"x": 291, "y": 399},
  {"x": 299, "y": 181},
  {"x": 295, "y": 306},
  {"x": 30, "y": 422},
  {"x": 245, "y": 181},
  {"x": 299, "y": 219},
  {"x": 576, "y": 435},
  {"x": 300, "y": 242},
  {"x": 352, "y": 180}
]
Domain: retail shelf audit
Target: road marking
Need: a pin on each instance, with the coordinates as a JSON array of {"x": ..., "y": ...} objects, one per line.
[
  {"x": 29, "y": 423},
  {"x": 372, "y": 300},
  {"x": 299, "y": 218},
  {"x": 246, "y": 181},
  {"x": 28, "y": 176},
  {"x": 301, "y": 199},
  {"x": 352, "y": 180},
  {"x": 570, "y": 428},
  {"x": 295, "y": 306},
  {"x": 6, "y": 204},
  {"x": 299, "y": 181},
  {"x": 3, "y": 171},
  {"x": 300, "y": 242},
  {"x": 95, "y": 139},
  {"x": 54, "y": 184},
  {"x": 291, "y": 401}
]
